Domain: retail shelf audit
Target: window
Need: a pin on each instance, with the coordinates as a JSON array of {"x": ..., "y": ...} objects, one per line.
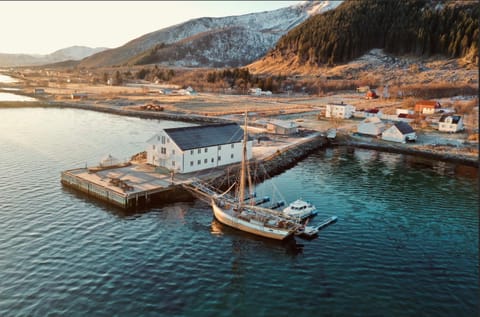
[
  {"x": 206, "y": 150},
  {"x": 219, "y": 158},
  {"x": 199, "y": 162},
  {"x": 163, "y": 150},
  {"x": 231, "y": 156},
  {"x": 233, "y": 145},
  {"x": 205, "y": 161},
  {"x": 191, "y": 163},
  {"x": 191, "y": 152},
  {"x": 213, "y": 160},
  {"x": 163, "y": 139},
  {"x": 153, "y": 147},
  {"x": 219, "y": 147},
  {"x": 199, "y": 151},
  {"x": 173, "y": 151},
  {"x": 173, "y": 163}
]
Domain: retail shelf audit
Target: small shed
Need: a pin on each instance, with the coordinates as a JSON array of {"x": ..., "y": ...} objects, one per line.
[
  {"x": 109, "y": 160},
  {"x": 400, "y": 132},
  {"x": 282, "y": 127},
  {"x": 371, "y": 126},
  {"x": 371, "y": 94},
  {"x": 79, "y": 95},
  {"x": 427, "y": 106},
  {"x": 39, "y": 91},
  {"x": 450, "y": 123}
]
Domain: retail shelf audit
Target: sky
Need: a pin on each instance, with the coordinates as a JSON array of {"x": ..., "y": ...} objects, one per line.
[{"x": 42, "y": 27}]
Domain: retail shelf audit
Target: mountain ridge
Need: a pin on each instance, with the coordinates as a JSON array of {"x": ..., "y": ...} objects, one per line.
[
  {"x": 269, "y": 26},
  {"x": 75, "y": 52}
]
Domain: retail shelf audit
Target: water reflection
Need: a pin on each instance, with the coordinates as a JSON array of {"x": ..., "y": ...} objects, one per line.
[{"x": 241, "y": 241}]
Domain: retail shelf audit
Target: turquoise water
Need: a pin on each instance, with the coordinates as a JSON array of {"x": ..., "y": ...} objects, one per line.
[{"x": 405, "y": 243}]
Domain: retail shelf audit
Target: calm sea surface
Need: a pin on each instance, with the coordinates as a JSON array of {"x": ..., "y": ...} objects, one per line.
[{"x": 405, "y": 244}]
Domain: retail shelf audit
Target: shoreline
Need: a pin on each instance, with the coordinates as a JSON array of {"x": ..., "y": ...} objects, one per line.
[
  {"x": 342, "y": 141},
  {"x": 399, "y": 149}
]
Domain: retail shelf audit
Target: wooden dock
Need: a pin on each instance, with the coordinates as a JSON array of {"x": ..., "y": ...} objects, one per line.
[
  {"x": 136, "y": 183},
  {"x": 125, "y": 187}
]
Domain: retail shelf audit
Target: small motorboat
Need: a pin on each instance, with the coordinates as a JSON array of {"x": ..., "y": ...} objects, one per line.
[{"x": 300, "y": 209}]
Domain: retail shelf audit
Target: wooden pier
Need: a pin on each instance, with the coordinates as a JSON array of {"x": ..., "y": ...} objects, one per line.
[
  {"x": 125, "y": 187},
  {"x": 137, "y": 184}
]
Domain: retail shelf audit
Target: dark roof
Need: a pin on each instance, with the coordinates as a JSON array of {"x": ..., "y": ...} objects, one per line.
[
  {"x": 455, "y": 119},
  {"x": 188, "y": 138},
  {"x": 404, "y": 127}
]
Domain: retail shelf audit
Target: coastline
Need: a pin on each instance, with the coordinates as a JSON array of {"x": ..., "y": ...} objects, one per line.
[
  {"x": 290, "y": 157},
  {"x": 405, "y": 149}
]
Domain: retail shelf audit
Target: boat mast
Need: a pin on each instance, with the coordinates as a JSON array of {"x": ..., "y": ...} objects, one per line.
[{"x": 241, "y": 192}]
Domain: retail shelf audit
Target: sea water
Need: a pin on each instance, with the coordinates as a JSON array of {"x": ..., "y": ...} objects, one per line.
[{"x": 405, "y": 243}]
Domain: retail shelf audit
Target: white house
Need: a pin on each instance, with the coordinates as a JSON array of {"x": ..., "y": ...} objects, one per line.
[
  {"x": 196, "y": 148},
  {"x": 450, "y": 123},
  {"x": 399, "y": 132},
  {"x": 371, "y": 126},
  {"x": 339, "y": 110},
  {"x": 282, "y": 127}
]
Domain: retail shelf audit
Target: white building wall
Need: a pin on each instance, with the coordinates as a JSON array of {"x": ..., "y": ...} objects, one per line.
[
  {"x": 172, "y": 157},
  {"x": 448, "y": 126},
  {"x": 163, "y": 152},
  {"x": 369, "y": 129},
  {"x": 339, "y": 111},
  {"x": 393, "y": 134}
]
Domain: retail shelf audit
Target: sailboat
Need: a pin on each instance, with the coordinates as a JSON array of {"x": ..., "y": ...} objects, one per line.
[{"x": 238, "y": 213}]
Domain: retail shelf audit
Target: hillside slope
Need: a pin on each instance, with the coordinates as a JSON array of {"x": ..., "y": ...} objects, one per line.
[
  {"x": 410, "y": 27},
  {"x": 212, "y": 41},
  {"x": 69, "y": 53}
]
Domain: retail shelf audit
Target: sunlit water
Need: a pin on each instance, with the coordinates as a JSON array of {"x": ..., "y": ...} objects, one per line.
[
  {"x": 405, "y": 244},
  {"x": 7, "y": 96},
  {"x": 7, "y": 79}
]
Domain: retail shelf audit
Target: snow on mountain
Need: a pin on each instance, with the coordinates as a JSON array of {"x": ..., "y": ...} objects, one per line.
[{"x": 226, "y": 43}]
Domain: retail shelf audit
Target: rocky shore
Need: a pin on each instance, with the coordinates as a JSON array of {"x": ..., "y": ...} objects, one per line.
[{"x": 457, "y": 158}]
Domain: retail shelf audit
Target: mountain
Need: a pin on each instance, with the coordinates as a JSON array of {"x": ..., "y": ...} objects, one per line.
[
  {"x": 421, "y": 28},
  {"x": 214, "y": 42},
  {"x": 69, "y": 53}
]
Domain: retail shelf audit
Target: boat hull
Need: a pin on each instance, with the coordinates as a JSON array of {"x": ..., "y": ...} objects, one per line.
[{"x": 228, "y": 219}]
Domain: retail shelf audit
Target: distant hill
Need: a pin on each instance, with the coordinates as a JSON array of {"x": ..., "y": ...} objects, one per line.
[
  {"x": 408, "y": 27},
  {"x": 69, "y": 53},
  {"x": 211, "y": 42}
]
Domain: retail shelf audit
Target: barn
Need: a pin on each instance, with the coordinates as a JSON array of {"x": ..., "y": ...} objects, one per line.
[
  {"x": 191, "y": 149},
  {"x": 400, "y": 132}
]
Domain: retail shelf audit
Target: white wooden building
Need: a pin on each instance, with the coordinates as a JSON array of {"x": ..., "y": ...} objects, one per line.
[
  {"x": 400, "y": 132},
  {"x": 450, "y": 123},
  {"x": 190, "y": 149},
  {"x": 371, "y": 126},
  {"x": 339, "y": 110}
]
